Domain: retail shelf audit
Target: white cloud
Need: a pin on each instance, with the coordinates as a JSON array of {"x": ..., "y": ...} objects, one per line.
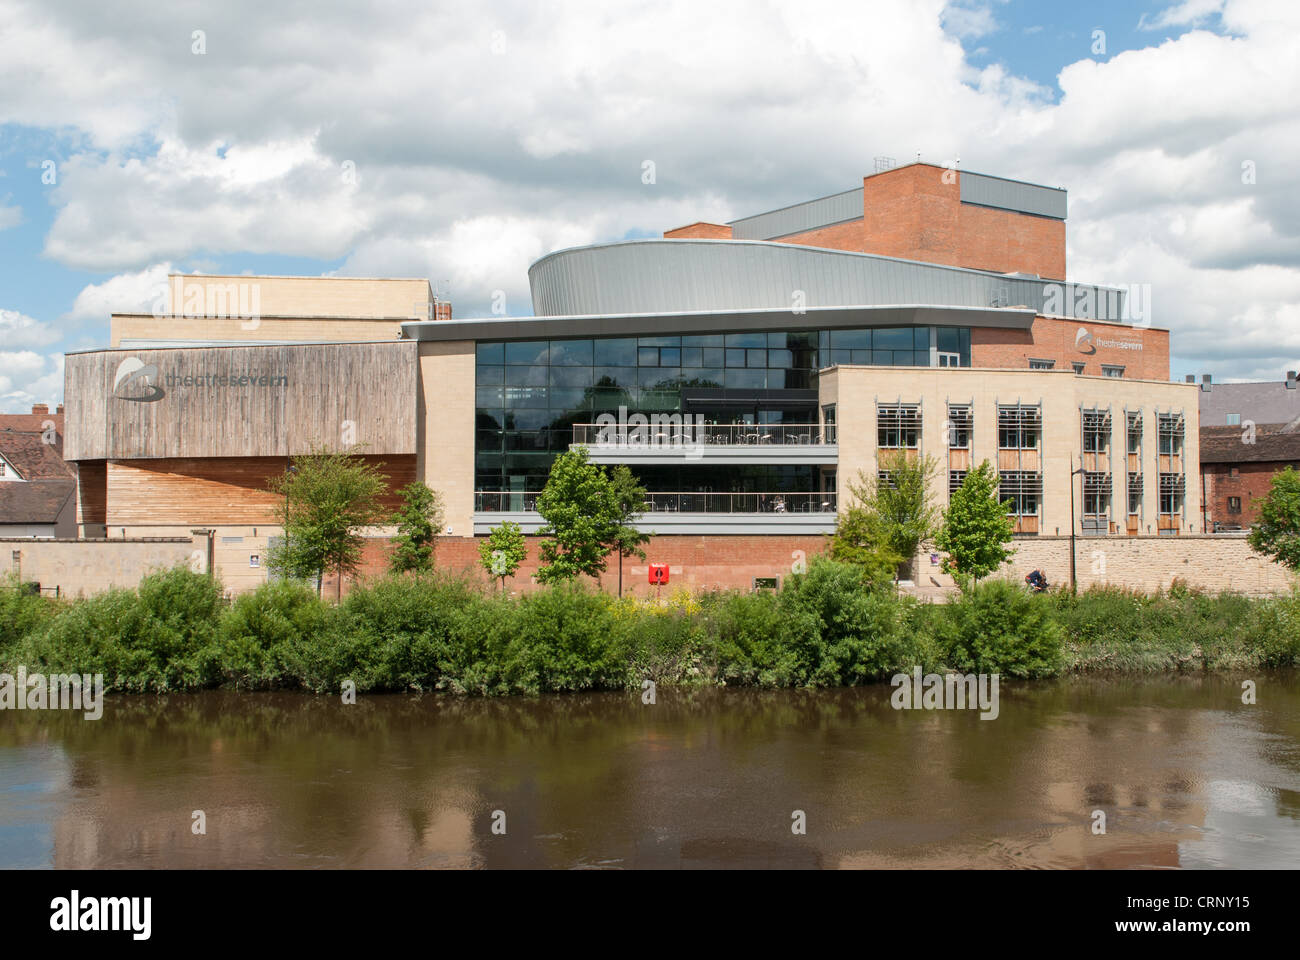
[
  {"x": 470, "y": 163},
  {"x": 29, "y": 378},
  {"x": 19, "y": 330},
  {"x": 1185, "y": 14},
  {"x": 125, "y": 293},
  {"x": 10, "y": 216}
]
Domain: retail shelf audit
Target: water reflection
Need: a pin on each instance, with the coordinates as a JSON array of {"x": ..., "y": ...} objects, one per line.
[{"x": 1185, "y": 774}]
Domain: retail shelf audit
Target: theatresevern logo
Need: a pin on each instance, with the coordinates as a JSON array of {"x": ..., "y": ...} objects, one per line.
[
  {"x": 137, "y": 381},
  {"x": 76, "y": 913},
  {"x": 62, "y": 691},
  {"x": 1086, "y": 342}
]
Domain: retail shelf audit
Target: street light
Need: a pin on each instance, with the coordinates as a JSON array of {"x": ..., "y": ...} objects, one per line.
[{"x": 1073, "y": 474}]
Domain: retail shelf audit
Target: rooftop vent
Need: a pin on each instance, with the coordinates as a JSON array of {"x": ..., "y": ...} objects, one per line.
[
  {"x": 1290, "y": 379},
  {"x": 1205, "y": 382},
  {"x": 1191, "y": 378}
]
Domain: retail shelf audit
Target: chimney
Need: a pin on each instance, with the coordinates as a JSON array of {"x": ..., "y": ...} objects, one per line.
[
  {"x": 1290, "y": 379},
  {"x": 59, "y": 410},
  {"x": 441, "y": 310},
  {"x": 40, "y": 409}
]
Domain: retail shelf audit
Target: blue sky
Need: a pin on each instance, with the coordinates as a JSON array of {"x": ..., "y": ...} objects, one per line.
[{"x": 487, "y": 134}]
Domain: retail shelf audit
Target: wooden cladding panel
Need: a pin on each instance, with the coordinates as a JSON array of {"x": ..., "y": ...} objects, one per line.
[
  {"x": 1025, "y": 460},
  {"x": 958, "y": 459},
  {"x": 338, "y": 395},
  {"x": 214, "y": 491},
  {"x": 92, "y": 502}
]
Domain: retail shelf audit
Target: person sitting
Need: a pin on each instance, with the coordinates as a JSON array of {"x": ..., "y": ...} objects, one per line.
[{"x": 1037, "y": 582}]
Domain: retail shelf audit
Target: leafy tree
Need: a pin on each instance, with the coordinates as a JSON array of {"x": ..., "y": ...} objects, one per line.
[
  {"x": 582, "y": 513},
  {"x": 629, "y": 498},
  {"x": 896, "y": 516},
  {"x": 976, "y": 528},
  {"x": 857, "y": 541},
  {"x": 1276, "y": 533},
  {"x": 419, "y": 520},
  {"x": 503, "y": 551},
  {"x": 327, "y": 498}
]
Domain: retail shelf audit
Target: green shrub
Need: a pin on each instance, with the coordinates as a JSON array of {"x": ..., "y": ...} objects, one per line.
[
  {"x": 261, "y": 638},
  {"x": 394, "y": 634},
  {"x": 21, "y": 613},
  {"x": 750, "y": 640},
  {"x": 156, "y": 639},
  {"x": 841, "y": 631},
  {"x": 997, "y": 627},
  {"x": 564, "y": 638},
  {"x": 667, "y": 645}
]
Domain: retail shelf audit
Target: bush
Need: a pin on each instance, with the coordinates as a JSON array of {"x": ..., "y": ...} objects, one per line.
[
  {"x": 262, "y": 637},
  {"x": 21, "y": 613},
  {"x": 997, "y": 627},
  {"x": 563, "y": 639},
  {"x": 157, "y": 639},
  {"x": 397, "y": 633}
]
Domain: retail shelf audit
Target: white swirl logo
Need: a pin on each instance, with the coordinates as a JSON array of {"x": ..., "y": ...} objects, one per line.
[{"x": 132, "y": 375}]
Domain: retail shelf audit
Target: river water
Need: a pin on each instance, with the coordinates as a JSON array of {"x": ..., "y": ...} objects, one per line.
[{"x": 1184, "y": 772}]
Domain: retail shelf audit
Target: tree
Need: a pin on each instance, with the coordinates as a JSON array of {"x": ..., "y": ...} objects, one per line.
[
  {"x": 629, "y": 500},
  {"x": 1276, "y": 533},
  {"x": 419, "y": 520},
  {"x": 581, "y": 512},
  {"x": 328, "y": 497},
  {"x": 503, "y": 551},
  {"x": 857, "y": 541},
  {"x": 897, "y": 514},
  {"x": 976, "y": 528}
]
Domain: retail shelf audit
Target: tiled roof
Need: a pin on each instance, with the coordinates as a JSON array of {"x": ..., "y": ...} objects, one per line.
[
  {"x": 1273, "y": 443},
  {"x": 47, "y": 479}
]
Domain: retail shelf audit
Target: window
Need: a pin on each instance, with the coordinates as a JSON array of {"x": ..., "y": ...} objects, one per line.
[
  {"x": 1134, "y": 494},
  {"x": 1041, "y": 364},
  {"x": 1096, "y": 500},
  {"x": 1171, "y": 493},
  {"x": 1169, "y": 430},
  {"x": 1111, "y": 371},
  {"x": 1078, "y": 367},
  {"x": 1234, "y": 504},
  {"x": 765, "y": 583},
  {"x": 1234, "y": 472},
  {"x": 1096, "y": 431},
  {"x": 1134, "y": 423},
  {"x": 898, "y": 426},
  {"x": 885, "y": 479},
  {"x": 1023, "y": 490},
  {"x": 828, "y": 418},
  {"x": 1233, "y": 420},
  {"x": 960, "y": 420},
  {"x": 1019, "y": 427},
  {"x": 955, "y": 479}
]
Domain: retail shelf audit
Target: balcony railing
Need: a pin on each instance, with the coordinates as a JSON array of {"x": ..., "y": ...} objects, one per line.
[
  {"x": 680, "y": 435},
  {"x": 490, "y": 501}
]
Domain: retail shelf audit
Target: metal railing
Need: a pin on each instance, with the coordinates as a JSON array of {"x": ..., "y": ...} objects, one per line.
[
  {"x": 693, "y": 434},
  {"x": 491, "y": 501}
]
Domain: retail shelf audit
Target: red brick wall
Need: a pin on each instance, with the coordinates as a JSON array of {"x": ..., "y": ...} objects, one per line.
[
  {"x": 1052, "y": 338},
  {"x": 911, "y": 213},
  {"x": 696, "y": 562},
  {"x": 707, "y": 231},
  {"x": 1251, "y": 483}
]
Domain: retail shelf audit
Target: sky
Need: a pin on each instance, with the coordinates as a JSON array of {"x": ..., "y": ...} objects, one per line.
[{"x": 461, "y": 141}]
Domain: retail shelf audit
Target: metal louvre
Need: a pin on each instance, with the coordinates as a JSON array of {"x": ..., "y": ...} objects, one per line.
[
  {"x": 1019, "y": 426},
  {"x": 1172, "y": 483},
  {"x": 800, "y": 217},
  {"x": 898, "y": 425},
  {"x": 1031, "y": 198},
  {"x": 955, "y": 480},
  {"x": 961, "y": 422},
  {"x": 1096, "y": 483}
]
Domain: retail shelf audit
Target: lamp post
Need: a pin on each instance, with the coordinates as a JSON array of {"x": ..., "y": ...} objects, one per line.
[{"x": 1073, "y": 474}]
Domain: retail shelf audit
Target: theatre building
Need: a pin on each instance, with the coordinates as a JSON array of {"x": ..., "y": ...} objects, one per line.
[{"x": 747, "y": 372}]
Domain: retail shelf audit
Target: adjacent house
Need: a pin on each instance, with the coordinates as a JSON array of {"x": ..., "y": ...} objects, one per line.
[{"x": 37, "y": 487}]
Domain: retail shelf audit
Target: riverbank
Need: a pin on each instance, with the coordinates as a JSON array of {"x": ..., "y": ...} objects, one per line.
[{"x": 823, "y": 629}]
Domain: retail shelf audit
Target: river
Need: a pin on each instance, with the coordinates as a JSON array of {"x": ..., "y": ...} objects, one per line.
[{"x": 1185, "y": 774}]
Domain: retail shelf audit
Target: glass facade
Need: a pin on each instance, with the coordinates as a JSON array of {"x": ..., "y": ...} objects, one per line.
[{"x": 529, "y": 394}]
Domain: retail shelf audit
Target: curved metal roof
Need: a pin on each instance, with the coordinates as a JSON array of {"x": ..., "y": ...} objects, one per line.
[{"x": 673, "y": 276}]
